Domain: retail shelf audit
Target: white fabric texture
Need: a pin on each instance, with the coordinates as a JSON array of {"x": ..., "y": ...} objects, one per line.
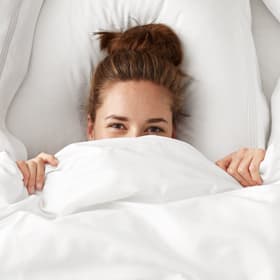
[
  {"x": 224, "y": 101},
  {"x": 275, "y": 115},
  {"x": 160, "y": 210},
  {"x": 274, "y": 7},
  {"x": 266, "y": 33},
  {"x": 18, "y": 20}
]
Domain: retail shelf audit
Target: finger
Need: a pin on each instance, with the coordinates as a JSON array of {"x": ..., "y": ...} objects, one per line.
[
  {"x": 224, "y": 162},
  {"x": 32, "y": 165},
  {"x": 24, "y": 170},
  {"x": 50, "y": 159},
  {"x": 40, "y": 174},
  {"x": 232, "y": 170},
  {"x": 254, "y": 169},
  {"x": 243, "y": 170}
]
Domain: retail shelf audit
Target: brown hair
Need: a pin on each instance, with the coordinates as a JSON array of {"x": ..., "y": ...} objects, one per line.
[{"x": 149, "y": 52}]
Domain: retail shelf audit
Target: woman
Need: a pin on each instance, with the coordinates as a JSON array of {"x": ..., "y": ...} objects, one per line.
[{"x": 138, "y": 90}]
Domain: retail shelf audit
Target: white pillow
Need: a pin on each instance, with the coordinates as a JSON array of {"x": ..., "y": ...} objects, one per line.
[
  {"x": 226, "y": 105},
  {"x": 274, "y": 7},
  {"x": 17, "y": 24},
  {"x": 275, "y": 115}
]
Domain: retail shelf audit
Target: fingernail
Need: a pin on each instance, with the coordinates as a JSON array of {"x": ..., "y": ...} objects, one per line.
[
  {"x": 39, "y": 186},
  {"x": 32, "y": 190}
]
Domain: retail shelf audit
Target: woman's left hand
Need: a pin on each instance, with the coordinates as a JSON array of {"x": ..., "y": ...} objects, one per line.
[{"x": 244, "y": 166}]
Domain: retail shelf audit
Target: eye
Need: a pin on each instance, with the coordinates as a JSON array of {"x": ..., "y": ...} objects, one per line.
[
  {"x": 116, "y": 125},
  {"x": 155, "y": 129}
]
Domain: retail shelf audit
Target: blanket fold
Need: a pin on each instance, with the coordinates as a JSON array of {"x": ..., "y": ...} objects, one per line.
[{"x": 141, "y": 208}]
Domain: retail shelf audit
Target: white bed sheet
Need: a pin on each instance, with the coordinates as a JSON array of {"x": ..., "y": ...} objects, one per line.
[{"x": 131, "y": 226}]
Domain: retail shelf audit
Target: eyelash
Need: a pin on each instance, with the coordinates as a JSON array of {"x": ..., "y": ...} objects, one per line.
[
  {"x": 114, "y": 124},
  {"x": 160, "y": 129}
]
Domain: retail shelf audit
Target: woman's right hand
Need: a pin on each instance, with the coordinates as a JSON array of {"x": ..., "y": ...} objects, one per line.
[{"x": 33, "y": 171}]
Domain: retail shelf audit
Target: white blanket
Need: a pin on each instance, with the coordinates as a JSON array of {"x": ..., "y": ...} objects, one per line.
[{"x": 139, "y": 208}]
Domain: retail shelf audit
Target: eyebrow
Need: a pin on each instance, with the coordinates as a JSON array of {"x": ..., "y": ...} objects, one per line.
[{"x": 125, "y": 119}]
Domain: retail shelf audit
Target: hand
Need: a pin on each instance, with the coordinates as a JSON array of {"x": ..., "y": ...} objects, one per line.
[
  {"x": 33, "y": 171},
  {"x": 244, "y": 166}
]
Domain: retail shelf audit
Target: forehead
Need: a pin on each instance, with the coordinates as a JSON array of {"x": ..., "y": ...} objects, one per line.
[{"x": 141, "y": 93}]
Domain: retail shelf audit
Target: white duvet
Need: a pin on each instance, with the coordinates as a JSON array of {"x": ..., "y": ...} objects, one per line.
[{"x": 144, "y": 208}]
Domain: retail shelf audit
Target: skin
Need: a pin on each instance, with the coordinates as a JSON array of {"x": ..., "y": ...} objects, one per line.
[
  {"x": 132, "y": 109},
  {"x": 244, "y": 166},
  {"x": 138, "y": 108}
]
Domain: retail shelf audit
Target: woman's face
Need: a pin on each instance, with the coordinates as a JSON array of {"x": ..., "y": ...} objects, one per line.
[{"x": 132, "y": 109}]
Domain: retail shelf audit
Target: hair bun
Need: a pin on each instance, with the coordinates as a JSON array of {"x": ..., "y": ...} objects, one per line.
[{"x": 158, "y": 39}]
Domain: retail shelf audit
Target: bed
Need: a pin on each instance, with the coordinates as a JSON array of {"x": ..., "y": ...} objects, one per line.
[{"x": 148, "y": 207}]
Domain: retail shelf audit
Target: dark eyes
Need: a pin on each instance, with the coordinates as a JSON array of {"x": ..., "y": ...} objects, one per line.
[
  {"x": 116, "y": 125},
  {"x": 153, "y": 129}
]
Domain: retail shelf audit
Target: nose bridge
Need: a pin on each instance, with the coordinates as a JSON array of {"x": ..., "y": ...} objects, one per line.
[{"x": 135, "y": 131}]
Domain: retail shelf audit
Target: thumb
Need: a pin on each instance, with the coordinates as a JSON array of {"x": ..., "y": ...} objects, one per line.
[
  {"x": 224, "y": 162},
  {"x": 53, "y": 161}
]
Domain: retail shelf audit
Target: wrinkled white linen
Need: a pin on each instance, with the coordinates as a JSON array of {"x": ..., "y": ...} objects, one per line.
[{"x": 139, "y": 208}]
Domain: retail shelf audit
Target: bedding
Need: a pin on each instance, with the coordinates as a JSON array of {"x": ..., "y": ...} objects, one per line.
[
  {"x": 18, "y": 20},
  {"x": 274, "y": 7},
  {"x": 266, "y": 32},
  {"x": 224, "y": 101},
  {"x": 148, "y": 208},
  {"x": 275, "y": 114}
]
